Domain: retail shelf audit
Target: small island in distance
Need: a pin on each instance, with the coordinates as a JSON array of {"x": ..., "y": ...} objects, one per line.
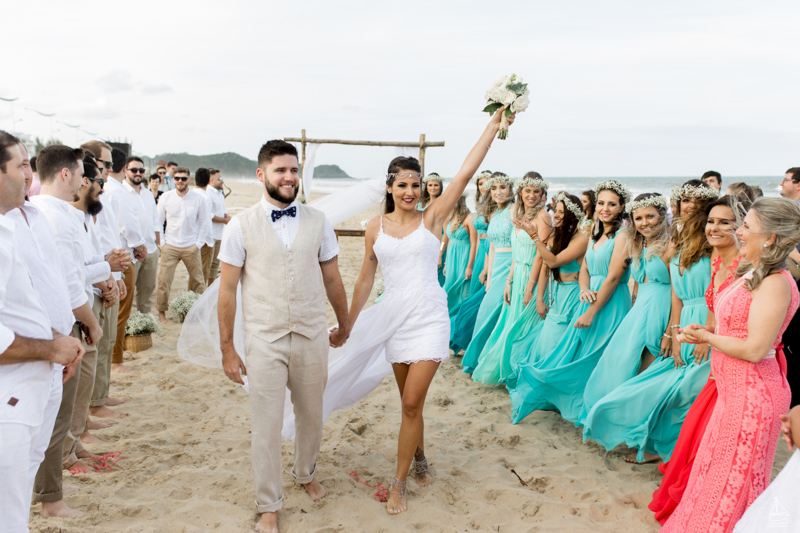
[
  {"x": 233, "y": 165},
  {"x": 330, "y": 172}
]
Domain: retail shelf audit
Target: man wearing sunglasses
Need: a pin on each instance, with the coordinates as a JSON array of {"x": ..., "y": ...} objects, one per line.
[
  {"x": 188, "y": 222},
  {"x": 144, "y": 205}
]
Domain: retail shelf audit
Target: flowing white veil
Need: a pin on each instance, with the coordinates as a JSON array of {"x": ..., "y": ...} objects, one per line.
[{"x": 355, "y": 369}]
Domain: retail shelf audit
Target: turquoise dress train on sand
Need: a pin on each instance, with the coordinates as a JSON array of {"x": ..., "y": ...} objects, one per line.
[
  {"x": 462, "y": 315},
  {"x": 499, "y": 232},
  {"x": 558, "y": 379},
  {"x": 455, "y": 284},
  {"x": 647, "y": 411},
  {"x": 494, "y": 362}
]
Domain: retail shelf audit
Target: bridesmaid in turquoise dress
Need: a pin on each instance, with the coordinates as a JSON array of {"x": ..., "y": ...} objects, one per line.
[
  {"x": 641, "y": 336},
  {"x": 461, "y": 245},
  {"x": 433, "y": 185},
  {"x": 497, "y": 267},
  {"x": 557, "y": 380},
  {"x": 557, "y": 292},
  {"x": 646, "y": 412},
  {"x": 517, "y": 317}
]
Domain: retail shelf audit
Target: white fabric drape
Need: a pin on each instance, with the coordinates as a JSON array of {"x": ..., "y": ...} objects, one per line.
[
  {"x": 308, "y": 169},
  {"x": 406, "y": 151}
]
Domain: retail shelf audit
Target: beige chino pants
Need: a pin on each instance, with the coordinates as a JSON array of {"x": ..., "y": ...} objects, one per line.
[
  {"x": 102, "y": 376},
  {"x": 146, "y": 282},
  {"x": 301, "y": 365},
  {"x": 210, "y": 254},
  {"x": 170, "y": 257}
]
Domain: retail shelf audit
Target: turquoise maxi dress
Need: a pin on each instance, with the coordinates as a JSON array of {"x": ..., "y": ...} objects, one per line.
[
  {"x": 462, "y": 315},
  {"x": 455, "y": 284},
  {"x": 557, "y": 380},
  {"x": 647, "y": 411},
  {"x": 515, "y": 320},
  {"x": 499, "y": 232}
]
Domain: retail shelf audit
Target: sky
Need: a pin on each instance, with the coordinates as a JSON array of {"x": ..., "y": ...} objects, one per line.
[{"x": 624, "y": 88}]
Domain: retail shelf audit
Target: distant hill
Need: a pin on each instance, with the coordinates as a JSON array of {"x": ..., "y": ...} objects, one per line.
[
  {"x": 231, "y": 164},
  {"x": 330, "y": 172}
]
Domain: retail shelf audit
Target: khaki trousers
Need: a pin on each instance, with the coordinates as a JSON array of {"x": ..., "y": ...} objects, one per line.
[
  {"x": 301, "y": 365},
  {"x": 47, "y": 485},
  {"x": 80, "y": 411},
  {"x": 146, "y": 281},
  {"x": 125, "y": 306},
  {"x": 210, "y": 260},
  {"x": 170, "y": 257},
  {"x": 102, "y": 376}
]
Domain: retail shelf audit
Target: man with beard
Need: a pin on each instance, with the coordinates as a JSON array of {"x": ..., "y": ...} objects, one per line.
[
  {"x": 61, "y": 173},
  {"x": 291, "y": 255},
  {"x": 144, "y": 205},
  {"x": 187, "y": 218}
]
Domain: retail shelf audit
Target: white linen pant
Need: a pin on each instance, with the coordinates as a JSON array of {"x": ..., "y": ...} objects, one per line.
[{"x": 22, "y": 450}]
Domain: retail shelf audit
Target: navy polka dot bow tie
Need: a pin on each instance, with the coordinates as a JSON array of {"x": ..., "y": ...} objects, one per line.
[{"x": 277, "y": 214}]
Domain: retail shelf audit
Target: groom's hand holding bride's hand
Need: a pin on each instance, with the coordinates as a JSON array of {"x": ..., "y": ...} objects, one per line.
[
  {"x": 233, "y": 366},
  {"x": 338, "y": 336}
]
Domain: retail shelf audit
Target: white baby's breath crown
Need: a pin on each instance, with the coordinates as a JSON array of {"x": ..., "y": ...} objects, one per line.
[
  {"x": 482, "y": 175},
  {"x": 693, "y": 191},
  {"x": 536, "y": 183},
  {"x": 432, "y": 177},
  {"x": 570, "y": 205},
  {"x": 612, "y": 185},
  {"x": 505, "y": 180},
  {"x": 659, "y": 202}
]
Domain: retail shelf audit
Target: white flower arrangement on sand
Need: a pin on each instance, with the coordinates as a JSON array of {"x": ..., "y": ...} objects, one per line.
[
  {"x": 659, "y": 202},
  {"x": 142, "y": 324},
  {"x": 507, "y": 91},
  {"x": 179, "y": 307},
  {"x": 613, "y": 185}
]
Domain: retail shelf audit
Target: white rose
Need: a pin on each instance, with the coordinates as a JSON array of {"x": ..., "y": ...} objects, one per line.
[
  {"x": 501, "y": 82},
  {"x": 508, "y": 97},
  {"x": 495, "y": 94},
  {"x": 521, "y": 103}
]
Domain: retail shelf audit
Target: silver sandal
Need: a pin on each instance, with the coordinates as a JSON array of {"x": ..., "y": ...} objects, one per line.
[
  {"x": 401, "y": 485},
  {"x": 421, "y": 466}
]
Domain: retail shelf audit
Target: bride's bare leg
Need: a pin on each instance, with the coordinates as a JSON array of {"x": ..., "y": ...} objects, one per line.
[
  {"x": 421, "y": 472},
  {"x": 415, "y": 382}
]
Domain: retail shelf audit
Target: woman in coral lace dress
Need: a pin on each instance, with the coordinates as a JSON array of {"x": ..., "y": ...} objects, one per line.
[{"x": 734, "y": 462}]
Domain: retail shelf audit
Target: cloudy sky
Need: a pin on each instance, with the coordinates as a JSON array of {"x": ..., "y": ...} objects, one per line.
[{"x": 624, "y": 88}]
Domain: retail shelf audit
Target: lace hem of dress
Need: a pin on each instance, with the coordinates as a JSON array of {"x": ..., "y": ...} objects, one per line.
[{"x": 440, "y": 359}]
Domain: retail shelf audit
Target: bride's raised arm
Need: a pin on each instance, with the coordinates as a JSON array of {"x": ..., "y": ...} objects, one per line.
[{"x": 439, "y": 210}]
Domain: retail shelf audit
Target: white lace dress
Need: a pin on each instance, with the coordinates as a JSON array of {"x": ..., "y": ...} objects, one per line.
[{"x": 409, "y": 267}]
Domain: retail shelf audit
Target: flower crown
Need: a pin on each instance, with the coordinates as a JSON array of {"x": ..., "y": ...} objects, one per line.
[
  {"x": 536, "y": 183},
  {"x": 612, "y": 185},
  {"x": 570, "y": 205},
  {"x": 693, "y": 191},
  {"x": 503, "y": 179},
  {"x": 659, "y": 202},
  {"x": 432, "y": 177},
  {"x": 482, "y": 175}
]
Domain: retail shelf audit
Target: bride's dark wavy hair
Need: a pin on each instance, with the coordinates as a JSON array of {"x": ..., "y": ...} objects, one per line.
[{"x": 398, "y": 165}]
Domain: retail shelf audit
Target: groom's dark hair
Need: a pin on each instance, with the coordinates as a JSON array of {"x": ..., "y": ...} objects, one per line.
[{"x": 273, "y": 149}]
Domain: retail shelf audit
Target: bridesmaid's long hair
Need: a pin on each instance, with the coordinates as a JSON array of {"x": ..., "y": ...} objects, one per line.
[
  {"x": 779, "y": 217},
  {"x": 424, "y": 195},
  {"x": 562, "y": 235},
  {"x": 484, "y": 175},
  {"x": 488, "y": 206},
  {"x": 599, "y": 229},
  {"x": 460, "y": 212},
  {"x": 659, "y": 240},
  {"x": 397, "y": 165}
]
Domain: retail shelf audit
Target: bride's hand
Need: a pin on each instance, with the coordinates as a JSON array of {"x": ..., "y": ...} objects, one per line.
[
  {"x": 338, "y": 336},
  {"x": 499, "y": 115}
]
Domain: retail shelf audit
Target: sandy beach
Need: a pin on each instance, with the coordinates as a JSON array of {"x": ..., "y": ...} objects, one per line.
[{"x": 186, "y": 462}]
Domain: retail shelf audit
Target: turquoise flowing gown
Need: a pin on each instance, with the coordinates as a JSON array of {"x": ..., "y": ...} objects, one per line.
[
  {"x": 647, "y": 411},
  {"x": 462, "y": 315},
  {"x": 643, "y": 328},
  {"x": 515, "y": 320},
  {"x": 563, "y": 308},
  {"x": 557, "y": 380},
  {"x": 499, "y": 232},
  {"x": 455, "y": 284}
]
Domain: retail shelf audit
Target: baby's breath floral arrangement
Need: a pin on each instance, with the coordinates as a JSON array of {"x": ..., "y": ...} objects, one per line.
[
  {"x": 536, "y": 183},
  {"x": 500, "y": 179},
  {"x": 433, "y": 176},
  {"x": 570, "y": 205},
  {"x": 142, "y": 324},
  {"x": 484, "y": 174},
  {"x": 507, "y": 91},
  {"x": 179, "y": 307},
  {"x": 693, "y": 191},
  {"x": 659, "y": 202},
  {"x": 613, "y": 185}
]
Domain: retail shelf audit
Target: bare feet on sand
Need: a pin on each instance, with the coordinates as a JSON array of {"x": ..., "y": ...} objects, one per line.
[
  {"x": 83, "y": 454},
  {"x": 315, "y": 490},
  {"x": 268, "y": 523},
  {"x": 163, "y": 318},
  {"x": 421, "y": 472},
  {"x": 94, "y": 424},
  {"x": 104, "y": 412},
  {"x": 119, "y": 368},
  {"x": 648, "y": 458},
  {"x": 111, "y": 402},
  {"x": 88, "y": 438},
  {"x": 396, "y": 503},
  {"x": 80, "y": 465},
  {"x": 59, "y": 509}
]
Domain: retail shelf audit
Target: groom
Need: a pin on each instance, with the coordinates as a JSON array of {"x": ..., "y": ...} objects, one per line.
[{"x": 285, "y": 254}]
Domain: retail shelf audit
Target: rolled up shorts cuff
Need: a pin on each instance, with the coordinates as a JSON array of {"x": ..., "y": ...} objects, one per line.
[{"x": 271, "y": 507}]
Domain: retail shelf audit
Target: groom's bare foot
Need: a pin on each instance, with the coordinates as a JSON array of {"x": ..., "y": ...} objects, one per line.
[
  {"x": 59, "y": 509},
  {"x": 315, "y": 490},
  {"x": 268, "y": 523}
]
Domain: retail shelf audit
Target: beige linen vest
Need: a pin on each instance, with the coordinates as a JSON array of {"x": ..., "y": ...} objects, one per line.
[{"x": 282, "y": 290}]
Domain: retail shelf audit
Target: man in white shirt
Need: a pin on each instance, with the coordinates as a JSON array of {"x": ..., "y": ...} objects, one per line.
[
  {"x": 144, "y": 205},
  {"x": 167, "y": 180},
  {"x": 133, "y": 241},
  {"x": 204, "y": 182},
  {"x": 32, "y": 351},
  {"x": 187, "y": 217}
]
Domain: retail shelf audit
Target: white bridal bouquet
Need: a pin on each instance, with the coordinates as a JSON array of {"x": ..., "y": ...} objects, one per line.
[{"x": 507, "y": 91}]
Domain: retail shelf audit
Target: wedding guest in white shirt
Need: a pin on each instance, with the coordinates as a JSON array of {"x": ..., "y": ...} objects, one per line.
[
  {"x": 133, "y": 240},
  {"x": 187, "y": 217},
  {"x": 107, "y": 227},
  {"x": 32, "y": 348},
  {"x": 144, "y": 205},
  {"x": 167, "y": 180},
  {"x": 210, "y": 251},
  {"x": 220, "y": 218},
  {"x": 61, "y": 173}
]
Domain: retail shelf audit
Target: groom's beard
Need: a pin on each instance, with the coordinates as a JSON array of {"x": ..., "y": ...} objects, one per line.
[{"x": 276, "y": 193}]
